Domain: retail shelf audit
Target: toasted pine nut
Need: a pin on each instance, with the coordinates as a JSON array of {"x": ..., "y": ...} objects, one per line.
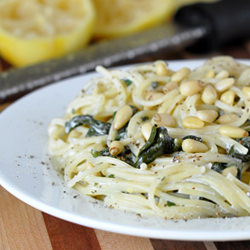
[
  {"x": 169, "y": 86},
  {"x": 180, "y": 74},
  {"x": 227, "y": 118},
  {"x": 209, "y": 95},
  {"x": 222, "y": 74},
  {"x": 153, "y": 95},
  {"x": 146, "y": 129},
  {"x": 232, "y": 170},
  {"x": 210, "y": 74},
  {"x": 161, "y": 69},
  {"x": 116, "y": 147},
  {"x": 228, "y": 97},
  {"x": 189, "y": 88},
  {"x": 232, "y": 131},
  {"x": 193, "y": 146},
  {"x": 192, "y": 122},
  {"x": 224, "y": 84},
  {"x": 122, "y": 116},
  {"x": 164, "y": 120},
  {"x": 208, "y": 115},
  {"x": 246, "y": 91}
]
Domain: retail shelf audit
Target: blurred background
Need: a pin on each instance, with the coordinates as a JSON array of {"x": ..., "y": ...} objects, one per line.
[{"x": 38, "y": 30}]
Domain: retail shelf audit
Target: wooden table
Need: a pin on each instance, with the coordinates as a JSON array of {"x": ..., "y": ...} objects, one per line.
[{"x": 25, "y": 228}]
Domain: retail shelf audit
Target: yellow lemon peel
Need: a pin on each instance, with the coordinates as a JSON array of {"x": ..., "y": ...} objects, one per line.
[
  {"x": 122, "y": 17},
  {"x": 36, "y": 30}
]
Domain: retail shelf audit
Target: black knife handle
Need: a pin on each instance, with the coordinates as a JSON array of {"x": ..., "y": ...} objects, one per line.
[{"x": 225, "y": 21}]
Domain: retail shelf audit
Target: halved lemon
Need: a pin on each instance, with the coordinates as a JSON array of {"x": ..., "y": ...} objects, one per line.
[
  {"x": 122, "y": 17},
  {"x": 36, "y": 30}
]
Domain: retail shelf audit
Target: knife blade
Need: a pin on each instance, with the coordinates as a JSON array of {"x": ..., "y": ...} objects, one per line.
[{"x": 206, "y": 25}]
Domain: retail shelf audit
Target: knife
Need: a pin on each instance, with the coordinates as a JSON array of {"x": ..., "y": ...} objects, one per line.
[{"x": 203, "y": 25}]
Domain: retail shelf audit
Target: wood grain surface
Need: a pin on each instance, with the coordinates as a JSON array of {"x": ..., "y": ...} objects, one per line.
[{"x": 25, "y": 228}]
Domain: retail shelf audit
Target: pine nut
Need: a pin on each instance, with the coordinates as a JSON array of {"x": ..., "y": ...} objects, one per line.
[
  {"x": 209, "y": 95},
  {"x": 232, "y": 170},
  {"x": 161, "y": 69},
  {"x": 193, "y": 146},
  {"x": 224, "y": 84},
  {"x": 192, "y": 122},
  {"x": 233, "y": 132},
  {"x": 169, "y": 86},
  {"x": 180, "y": 74},
  {"x": 227, "y": 118},
  {"x": 189, "y": 88},
  {"x": 207, "y": 115},
  {"x": 222, "y": 74},
  {"x": 164, "y": 120},
  {"x": 228, "y": 97},
  {"x": 246, "y": 91},
  {"x": 122, "y": 116},
  {"x": 153, "y": 95},
  {"x": 210, "y": 74},
  {"x": 146, "y": 129},
  {"x": 116, "y": 147}
]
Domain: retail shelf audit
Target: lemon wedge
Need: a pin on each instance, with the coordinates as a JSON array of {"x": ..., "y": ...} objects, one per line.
[
  {"x": 36, "y": 30},
  {"x": 122, "y": 17}
]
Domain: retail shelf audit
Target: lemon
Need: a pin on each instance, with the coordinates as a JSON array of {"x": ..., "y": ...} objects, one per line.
[
  {"x": 122, "y": 17},
  {"x": 36, "y": 30}
]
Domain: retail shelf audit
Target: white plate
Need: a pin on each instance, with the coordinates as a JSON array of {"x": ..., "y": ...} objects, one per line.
[{"x": 26, "y": 172}]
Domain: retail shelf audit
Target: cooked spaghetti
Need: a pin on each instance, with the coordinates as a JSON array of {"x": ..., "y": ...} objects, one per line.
[{"x": 160, "y": 142}]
